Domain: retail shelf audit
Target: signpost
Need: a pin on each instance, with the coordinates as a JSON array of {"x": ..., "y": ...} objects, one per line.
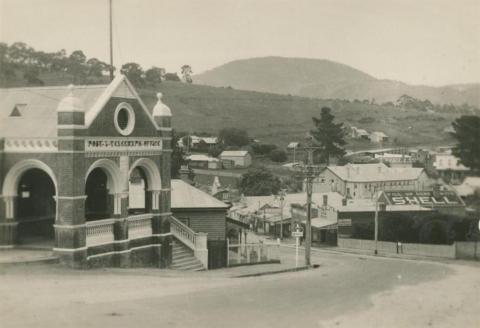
[{"x": 298, "y": 233}]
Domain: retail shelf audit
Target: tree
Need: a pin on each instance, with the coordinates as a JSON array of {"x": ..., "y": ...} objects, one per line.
[
  {"x": 134, "y": 73},
  {"x": 233, "y": 137},
  {"x": 31, "y": 75},
  {"x": 329, "y": 135},
  {"x": 187, "y": 73},
  {"x": 155, "y": 75},
  {"x": 77, "y": 66},
  {"x": 96, "y": 68},
  {"x": 172, "y": 77},
  {"x": 259, "y": 182},
  {"x": 177, "y": 158},
  {"x": 278, "y": 155},
  {"x": 467, "y": 133}
]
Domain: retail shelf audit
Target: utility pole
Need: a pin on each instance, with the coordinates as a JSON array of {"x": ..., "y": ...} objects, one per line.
[
  {"x": 282, "y": 200},
  {"x": 309, "y": 172},
  {"x": 111, "y": 39}
]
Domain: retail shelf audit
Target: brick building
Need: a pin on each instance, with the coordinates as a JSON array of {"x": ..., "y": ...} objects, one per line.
[{"x": 69, "y": 160}]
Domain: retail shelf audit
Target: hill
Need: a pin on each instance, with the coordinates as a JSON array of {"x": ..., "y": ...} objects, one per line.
[
  {"x": 326, "y": 79},
  {"x": 280, "y": 119}
]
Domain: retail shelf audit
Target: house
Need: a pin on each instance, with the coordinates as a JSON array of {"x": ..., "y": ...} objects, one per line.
[
  {"x": 360, "y": 134},
  {"x": 198, "y": 143},
  {"x": 449, "y": 168},
  {"x": 364, "y": 180},
  {"x": 200, "y": 161},
  {"x": 468, "y": 187},
  {"x": 202, "y": 213},
  {"x": 395, "y": 160},
  {"x": 237, "y": 158},
  {"x": 379, "y": 137}
]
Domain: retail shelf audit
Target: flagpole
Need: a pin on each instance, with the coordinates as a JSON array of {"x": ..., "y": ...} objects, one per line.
[{"x": 111, "y": 40}]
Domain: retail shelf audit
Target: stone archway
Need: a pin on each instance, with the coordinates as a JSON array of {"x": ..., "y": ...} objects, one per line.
[
  {"x": 29, "y": 192},
  {"x": 148, "y": 171},
  {"x": 103, "y": 187}
]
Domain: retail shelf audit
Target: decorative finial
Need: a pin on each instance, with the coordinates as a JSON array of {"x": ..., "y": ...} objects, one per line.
[{"x": 159, "y": 96}]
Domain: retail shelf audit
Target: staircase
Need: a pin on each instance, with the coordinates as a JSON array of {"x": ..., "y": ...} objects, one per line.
[{"x": 183, "y": 258}]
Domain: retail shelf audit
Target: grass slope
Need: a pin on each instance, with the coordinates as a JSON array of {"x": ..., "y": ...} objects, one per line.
[{"x": 277, "y": 118}]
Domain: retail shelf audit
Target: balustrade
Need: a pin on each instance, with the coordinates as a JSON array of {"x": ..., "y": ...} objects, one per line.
[
  {"x": 99, "y": 232},
  {"x": 140, "y": 226}
]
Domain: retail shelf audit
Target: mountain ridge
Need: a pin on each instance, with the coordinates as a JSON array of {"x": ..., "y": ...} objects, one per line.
[{"x": 327, "y": 79}]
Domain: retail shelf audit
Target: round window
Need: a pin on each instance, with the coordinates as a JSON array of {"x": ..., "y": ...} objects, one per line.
[{"x": 124, "y": 119}]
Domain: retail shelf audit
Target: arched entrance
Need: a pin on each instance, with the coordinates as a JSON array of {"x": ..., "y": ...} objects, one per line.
[
  {"x": 96, "y": 190},
  {"x": 29, "y": 191},
  {"x": 144, "y": 186},
  {"x": 138, "y": 200},
  {"x": 102, "y": 187},
  {"x": 35, "y": 208}
]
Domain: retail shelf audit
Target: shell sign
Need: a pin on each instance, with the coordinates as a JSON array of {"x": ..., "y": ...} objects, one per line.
[{"x": 423, "y": 198}]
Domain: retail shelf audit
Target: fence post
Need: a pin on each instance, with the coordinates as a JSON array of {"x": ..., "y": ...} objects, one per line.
[
  {"x": 228, "y": 252},
  {"x": 278, "y": 248}
]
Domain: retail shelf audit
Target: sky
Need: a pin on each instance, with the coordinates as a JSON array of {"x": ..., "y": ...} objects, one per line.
[{"x": 431, "y": 42}]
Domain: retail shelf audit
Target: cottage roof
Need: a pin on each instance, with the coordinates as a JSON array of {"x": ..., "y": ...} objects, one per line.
[
  {"x": 379, "y": 133},
  {"x": 468, "y": 187},
  {"x": 186, "y": 196},
  {"x": 234, "y": 153},
  {"x": 293, "y": 145},
  {"x": 202, "y": 158},
  {"x": 447, "y": 161},
  {"x": 374, "y": 172}
]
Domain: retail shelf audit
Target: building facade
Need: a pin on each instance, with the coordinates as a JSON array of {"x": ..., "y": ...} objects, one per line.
[
  {"x": 364, "y": 180},
  {"x": 68, "y": 157},
  {"x": 239, "y": 158}
]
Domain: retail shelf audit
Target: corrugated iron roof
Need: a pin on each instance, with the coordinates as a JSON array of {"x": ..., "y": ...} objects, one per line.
[
  {"x": 187, "y": 196},
  {"x": 38, "y": 116},
  {"x": 374, "y": 172}
]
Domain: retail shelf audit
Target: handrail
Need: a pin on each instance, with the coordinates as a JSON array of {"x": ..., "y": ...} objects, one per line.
[{"x": 184, "y": 233}]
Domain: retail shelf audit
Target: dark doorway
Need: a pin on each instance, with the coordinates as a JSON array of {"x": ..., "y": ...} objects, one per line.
[
  {"x": 96, "y": 190},
  {"x": 36, "y": 208}
]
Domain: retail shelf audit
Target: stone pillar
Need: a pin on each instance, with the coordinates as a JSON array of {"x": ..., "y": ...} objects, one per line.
[
  {"x": 120, "y": 207},
  {"x": 70, "y": 231}
]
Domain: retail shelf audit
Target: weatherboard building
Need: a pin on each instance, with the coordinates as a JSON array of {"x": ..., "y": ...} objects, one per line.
[{"x": 85, "y": 170}]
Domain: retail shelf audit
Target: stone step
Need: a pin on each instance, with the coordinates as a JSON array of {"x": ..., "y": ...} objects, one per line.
[
  {"x": 186, "y": 260},
  {"x": 192, "y": 267}
]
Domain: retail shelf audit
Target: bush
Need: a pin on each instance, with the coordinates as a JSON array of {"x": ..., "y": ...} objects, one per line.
[
  {"x": 263, "y": 149},
  {"x": 278, "y": 155}
]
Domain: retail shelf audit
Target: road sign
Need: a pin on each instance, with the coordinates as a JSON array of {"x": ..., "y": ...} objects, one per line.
[{"x": 297, "y": 234}]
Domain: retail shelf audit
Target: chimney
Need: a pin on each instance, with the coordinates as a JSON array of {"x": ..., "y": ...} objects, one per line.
[
  {"x": 344, "y": 202},
  {"x": 325, "y": 200},
  {"x": 185, "y": 174}
]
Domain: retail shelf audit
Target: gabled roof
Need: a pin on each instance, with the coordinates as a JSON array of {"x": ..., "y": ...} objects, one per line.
[
  {"x": 185, "y": 196},
  {"x": 374, "y": 172},
  {"x": 40, "y": 117},
  {"x": 202, "y": 157},
  {"x": 234, "y": 153}
]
